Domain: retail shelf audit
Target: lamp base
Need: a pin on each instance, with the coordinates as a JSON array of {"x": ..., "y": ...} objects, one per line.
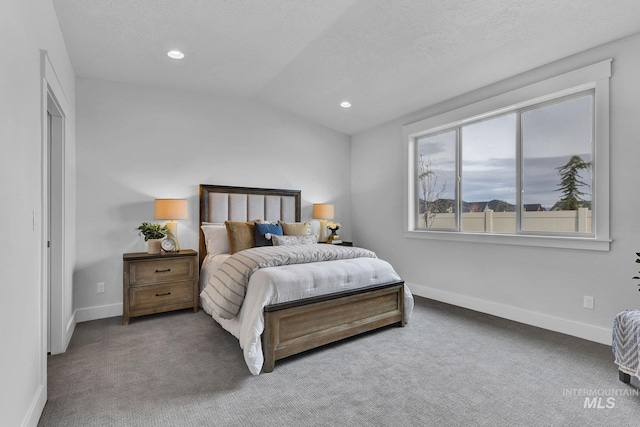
[
  {"x": 173, "y": 232},
  {"x": 323, "y": 231}
]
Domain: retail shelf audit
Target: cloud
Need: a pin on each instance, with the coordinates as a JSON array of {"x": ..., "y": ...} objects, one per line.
[
  {"x": 541, "y": 179},
  {"x": 551, "y": 134},
  {"x": 496, "y": 179}
]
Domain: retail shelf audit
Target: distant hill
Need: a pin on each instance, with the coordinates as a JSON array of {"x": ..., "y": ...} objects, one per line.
[{"x": 446, "y": 205}]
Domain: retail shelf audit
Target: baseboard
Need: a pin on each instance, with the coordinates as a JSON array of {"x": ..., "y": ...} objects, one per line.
[
  {"x": 540, "y": 320},
  {"x": 98, "y": 312},
  {"x": 35, "y": 409},
  {"x": 533, "y": 318}
]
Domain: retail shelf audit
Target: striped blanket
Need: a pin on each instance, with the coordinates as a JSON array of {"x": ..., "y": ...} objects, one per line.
[
  {"x": 625, "y": 341},
  {"x": 227, "y": 287}
]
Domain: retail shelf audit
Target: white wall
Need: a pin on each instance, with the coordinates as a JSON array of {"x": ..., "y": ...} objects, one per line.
[
  {"x": 139, "y": 143},
  {"x": 25, "y": 28},
  {"x": 540, "y": 286}
]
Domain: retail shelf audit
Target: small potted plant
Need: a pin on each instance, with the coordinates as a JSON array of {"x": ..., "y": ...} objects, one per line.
[{"x": 153, "y": 235}]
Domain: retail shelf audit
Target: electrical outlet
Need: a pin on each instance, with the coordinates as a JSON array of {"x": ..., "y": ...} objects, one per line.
[
  {"x": 100, "y": 287},
  {"x": 588, "y": 302}
]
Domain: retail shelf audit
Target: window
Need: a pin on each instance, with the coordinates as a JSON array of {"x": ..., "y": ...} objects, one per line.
[
  {"x": 488, "y": 174},
  {"x": 556, "y": 166},
  {"x": 436, "y": 174},
  {"x": 528, "y": 167}
]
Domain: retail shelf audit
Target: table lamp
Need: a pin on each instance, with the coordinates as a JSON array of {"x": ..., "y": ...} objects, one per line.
[
  {"x": 323, "y": 212},
  {"x": 171, "y": 210}
]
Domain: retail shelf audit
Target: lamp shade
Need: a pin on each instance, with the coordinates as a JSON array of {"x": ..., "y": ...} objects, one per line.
[
  {"x": 322, "y": 211},
  {"x": 172, "y": 209}
]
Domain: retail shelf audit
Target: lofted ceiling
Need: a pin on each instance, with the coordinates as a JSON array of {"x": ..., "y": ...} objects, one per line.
[{"x": 387, "y": 57}]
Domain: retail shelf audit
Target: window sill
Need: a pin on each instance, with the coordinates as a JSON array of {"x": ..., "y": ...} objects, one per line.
[{"x": 564, "y": 242}]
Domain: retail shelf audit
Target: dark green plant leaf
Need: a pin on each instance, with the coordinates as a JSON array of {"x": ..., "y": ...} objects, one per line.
[{"x": 152, "y": 231}]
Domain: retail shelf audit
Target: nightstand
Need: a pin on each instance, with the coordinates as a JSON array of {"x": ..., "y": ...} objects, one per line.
[
  {"x": 339, "y": 244},
  {"x": 155, "y": 283}
]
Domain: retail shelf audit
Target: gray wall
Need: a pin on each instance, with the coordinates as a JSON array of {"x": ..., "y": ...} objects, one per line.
[
  {"x": 139, "y": 143},
  {"x": 540, "y": 286},
  {"x": 25, "y": 28}
]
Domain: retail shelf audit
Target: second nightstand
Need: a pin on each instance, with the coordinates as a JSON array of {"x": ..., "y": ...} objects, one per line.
[
  {"x": 343, "y": 243},
  {"x": 159, "y": 282}
]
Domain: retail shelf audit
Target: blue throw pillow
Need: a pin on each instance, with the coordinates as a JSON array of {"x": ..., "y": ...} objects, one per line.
[{"x": 262, "y": 228}]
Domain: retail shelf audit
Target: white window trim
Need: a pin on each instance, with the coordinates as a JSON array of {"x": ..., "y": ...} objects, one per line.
[{"x": 595, "y": 77}]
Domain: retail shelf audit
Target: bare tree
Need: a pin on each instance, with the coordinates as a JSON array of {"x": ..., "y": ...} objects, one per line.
[{"x": 430, "y": 189}]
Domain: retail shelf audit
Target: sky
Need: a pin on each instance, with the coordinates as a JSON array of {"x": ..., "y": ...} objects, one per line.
[{"x": 551, "y": 134}]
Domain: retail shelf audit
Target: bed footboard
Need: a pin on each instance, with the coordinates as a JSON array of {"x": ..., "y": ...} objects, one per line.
[{"x": 293, "y": 327}]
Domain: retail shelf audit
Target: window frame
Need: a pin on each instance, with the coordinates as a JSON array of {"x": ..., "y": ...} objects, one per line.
[{"x": 594, "y": 77}]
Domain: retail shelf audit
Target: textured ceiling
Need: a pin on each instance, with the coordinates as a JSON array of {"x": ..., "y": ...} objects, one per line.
[{"x": 388, "y": 57}]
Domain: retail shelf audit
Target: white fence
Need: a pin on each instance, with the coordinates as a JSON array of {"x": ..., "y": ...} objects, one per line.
[{"x": 579, "y": 221}]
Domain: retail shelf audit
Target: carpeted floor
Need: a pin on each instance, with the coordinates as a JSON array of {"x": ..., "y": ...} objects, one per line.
[{"x": 448, "y": 367}]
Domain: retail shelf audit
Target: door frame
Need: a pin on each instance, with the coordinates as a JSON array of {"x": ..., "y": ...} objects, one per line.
[
  {"x": 54, "y": 227},
  {"x": 55, "y": 270}
]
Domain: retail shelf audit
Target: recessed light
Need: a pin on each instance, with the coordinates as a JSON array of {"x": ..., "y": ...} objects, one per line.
[
  {"x": 175, "y": 54},
  {"x": 345, "y": 104}
]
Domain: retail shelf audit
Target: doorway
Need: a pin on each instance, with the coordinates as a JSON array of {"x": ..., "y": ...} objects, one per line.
[{"x": 53, "y": 226}]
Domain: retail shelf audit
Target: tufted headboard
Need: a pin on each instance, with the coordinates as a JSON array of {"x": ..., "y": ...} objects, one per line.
[{"x": 219, "y": 203}]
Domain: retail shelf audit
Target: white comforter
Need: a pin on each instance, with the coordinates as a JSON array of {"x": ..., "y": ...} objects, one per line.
[
  {"x": 227, "y": 286},
  {"x": 291, "y": 282}
]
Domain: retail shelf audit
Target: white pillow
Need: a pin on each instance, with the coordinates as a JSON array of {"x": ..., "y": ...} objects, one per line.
[
  {"x": 294, "y": 240},
  {"x": 216, "y": 238}
]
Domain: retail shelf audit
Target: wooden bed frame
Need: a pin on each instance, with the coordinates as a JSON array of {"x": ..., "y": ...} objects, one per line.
[{"x": 296, "y": 326}]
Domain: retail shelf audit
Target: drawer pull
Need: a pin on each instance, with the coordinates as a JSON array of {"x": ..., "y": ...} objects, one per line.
[
  {"x": 164, "y": 294},
  {"x": 163, "y": 271}
]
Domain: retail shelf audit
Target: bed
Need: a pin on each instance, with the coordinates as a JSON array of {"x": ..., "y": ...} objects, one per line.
[{"x": 291, "y": 308}]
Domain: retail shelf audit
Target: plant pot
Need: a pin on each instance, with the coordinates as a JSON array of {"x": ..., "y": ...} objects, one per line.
[{"x": 153, "y": 246}]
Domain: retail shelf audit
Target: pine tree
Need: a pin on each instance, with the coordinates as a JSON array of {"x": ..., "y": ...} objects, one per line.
[{"x": 571, "y": 182}]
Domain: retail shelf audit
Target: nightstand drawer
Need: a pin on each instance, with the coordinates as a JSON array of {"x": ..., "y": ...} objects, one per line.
[
  {"x": 161, "y": 270},
  {"x": 159, "y": 295}
]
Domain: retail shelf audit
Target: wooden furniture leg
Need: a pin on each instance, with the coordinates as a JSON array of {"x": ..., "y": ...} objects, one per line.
[{"x": 625, "y": 378}]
